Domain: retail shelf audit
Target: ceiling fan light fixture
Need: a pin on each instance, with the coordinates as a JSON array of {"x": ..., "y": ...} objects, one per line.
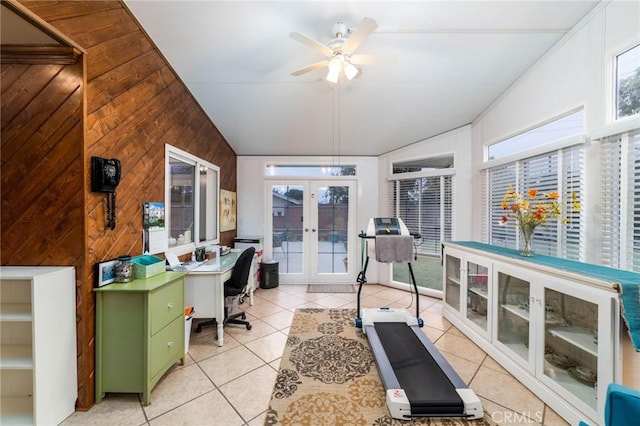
[
  {"x": 332, "y": 76},
  {"x": 350, "y": 71}
]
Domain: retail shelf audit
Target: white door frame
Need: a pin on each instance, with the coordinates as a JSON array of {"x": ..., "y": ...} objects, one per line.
[{"x": 310, "y": 243}]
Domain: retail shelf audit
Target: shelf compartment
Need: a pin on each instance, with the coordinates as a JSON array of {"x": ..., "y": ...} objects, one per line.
[
  {"x": 576, "y": 336},
  {"x": 15, "y": 312},
  {"x": 16, "y": 410},
  {"x": 584, "y": 392},
  {"x": 18, "y": 357}
]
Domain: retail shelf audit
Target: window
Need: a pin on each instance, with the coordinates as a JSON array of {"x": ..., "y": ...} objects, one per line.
[
  {"x": 559, "y": 169},
  {"x": 627, "y": 83},
  {"x": 421, "y": 194},
  {"x": 309, "y": 171},
  {"x": 192, "y": 191},
  {"x": 546, "y": 134},
  {"x": 621, "y": 201}
]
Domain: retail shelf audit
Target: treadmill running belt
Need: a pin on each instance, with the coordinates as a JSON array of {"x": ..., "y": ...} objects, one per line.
[{"x": 429, "y": 390}]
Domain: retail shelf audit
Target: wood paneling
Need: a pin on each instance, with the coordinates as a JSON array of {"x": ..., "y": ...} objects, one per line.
[{"x": 134, "y": 105}]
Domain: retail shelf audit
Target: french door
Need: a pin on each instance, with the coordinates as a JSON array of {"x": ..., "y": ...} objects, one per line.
[{"x": 311, "y": 230}]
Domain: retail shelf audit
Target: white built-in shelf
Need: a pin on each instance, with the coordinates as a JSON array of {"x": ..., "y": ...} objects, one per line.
[
  {"x": 15, "y": 410},
  {"x": 15, "y": 312},
  {"x": 480, "y": 292},
  {"x": 16, "y": 357},
  {"x": 577, "y": 336},
  {"x": 453, "y": 280},
  {"x": 517, "y": 310}
]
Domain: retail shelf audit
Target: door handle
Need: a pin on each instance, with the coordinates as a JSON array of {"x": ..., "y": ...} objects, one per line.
[
  {"x": 313, "y": 230},
  {"x": 306, "y": 229}
]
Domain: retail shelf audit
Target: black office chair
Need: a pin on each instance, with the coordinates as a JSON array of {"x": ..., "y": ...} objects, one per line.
[{"x": 235, "y": 287}]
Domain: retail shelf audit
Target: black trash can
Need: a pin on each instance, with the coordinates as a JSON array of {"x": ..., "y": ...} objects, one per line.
[{"x": 269, "y": 274}]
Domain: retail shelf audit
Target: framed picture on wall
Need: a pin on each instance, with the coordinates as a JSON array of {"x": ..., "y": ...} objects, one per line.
[
  {"x": 105, "y": 272},
  {"x": 227, "y": 210}
]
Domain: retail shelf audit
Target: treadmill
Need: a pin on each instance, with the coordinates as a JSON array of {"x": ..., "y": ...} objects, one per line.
[{"x": 419, "y": 381}]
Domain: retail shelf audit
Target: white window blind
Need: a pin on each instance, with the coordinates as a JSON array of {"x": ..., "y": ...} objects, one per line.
[
  {"x": 621, "y": 201},
  {"x": 558, "y": 171},
  {"x": 425, "y": 204}
]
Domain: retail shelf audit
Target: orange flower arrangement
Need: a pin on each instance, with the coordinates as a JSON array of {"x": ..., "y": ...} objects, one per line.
[{"x": 531, "y": 211}]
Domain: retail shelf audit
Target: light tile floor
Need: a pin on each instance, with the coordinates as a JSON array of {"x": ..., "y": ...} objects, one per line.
[{"x": 231, "y": 385}]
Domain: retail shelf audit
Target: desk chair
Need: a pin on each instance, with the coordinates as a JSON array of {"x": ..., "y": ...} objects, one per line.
[
  {"x": 234, "y": 290},
  {"x": 622, "y": 407}
]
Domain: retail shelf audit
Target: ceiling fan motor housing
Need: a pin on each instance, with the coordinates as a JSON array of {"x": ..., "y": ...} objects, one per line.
[{"x": 339, "y": 30}]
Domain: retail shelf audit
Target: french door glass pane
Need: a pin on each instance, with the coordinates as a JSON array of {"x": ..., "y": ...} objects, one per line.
[
  {"x": 287, "y": 247},
  {"x": 333, "y": 225}
]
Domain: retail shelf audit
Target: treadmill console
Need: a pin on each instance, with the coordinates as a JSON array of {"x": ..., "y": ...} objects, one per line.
[{"x": 386, "y": 226}]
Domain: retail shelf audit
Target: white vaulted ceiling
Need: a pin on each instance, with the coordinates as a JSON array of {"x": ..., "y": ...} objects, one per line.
[{"x": 452, "y": 59}]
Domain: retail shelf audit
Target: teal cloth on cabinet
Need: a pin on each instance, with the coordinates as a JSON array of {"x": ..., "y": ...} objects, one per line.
[{"x": 628, "y": 281}]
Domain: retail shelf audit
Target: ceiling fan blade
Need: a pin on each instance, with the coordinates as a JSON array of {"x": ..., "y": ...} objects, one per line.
[
  {"x": 371, "y": 59},
  {"x": 311, "y": 67},
  {"x": 312, "y": 43},
  {"x": 366, "y": 27}
]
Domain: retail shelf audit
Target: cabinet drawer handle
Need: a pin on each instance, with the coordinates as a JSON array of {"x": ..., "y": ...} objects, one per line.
[
  {"x": 169, "y": 305},
  {"x": 170, "y": 344}
]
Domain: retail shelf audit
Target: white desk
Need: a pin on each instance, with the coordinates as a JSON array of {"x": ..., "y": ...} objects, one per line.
[{"x": 205, "y": 292}]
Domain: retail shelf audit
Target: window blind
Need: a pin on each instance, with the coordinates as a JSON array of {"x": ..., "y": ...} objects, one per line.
[
  {"x": 620, "y": 162},
  {"x": 425, "y": 204},
  {"x": 558, "y": 171}
]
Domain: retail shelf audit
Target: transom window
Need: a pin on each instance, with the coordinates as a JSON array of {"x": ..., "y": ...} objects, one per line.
[{"x": 627, "y": 83}]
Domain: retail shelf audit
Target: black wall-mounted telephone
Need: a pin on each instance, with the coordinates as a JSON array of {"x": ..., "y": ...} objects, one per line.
[
  {"x": 105, "y": 174},
  {"x": 105, "y": 177}
]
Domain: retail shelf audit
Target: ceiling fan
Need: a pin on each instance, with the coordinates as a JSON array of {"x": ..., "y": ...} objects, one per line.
[{"x": 340, "y": 50}]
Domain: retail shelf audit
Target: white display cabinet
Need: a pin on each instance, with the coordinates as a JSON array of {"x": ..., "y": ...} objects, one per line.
[
  {"x": 38, "y": 362},
  {"x": 554, "y": 330},
  {"x": 466, "y": 289}
]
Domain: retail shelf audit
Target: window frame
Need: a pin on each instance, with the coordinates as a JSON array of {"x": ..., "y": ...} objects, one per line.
[
  {"x": 212, "y": 211},
  {"x": 444, "y": 200},
  {"x": 614, "y": 84},
  {"x": 564, "y": 176}
]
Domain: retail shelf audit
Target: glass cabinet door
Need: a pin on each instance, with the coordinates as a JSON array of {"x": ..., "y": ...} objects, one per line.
[
  {"x": 452, "y": 282},
  {"x": 513, "y": 322},
  {"x": 571, "y": 344},
  {"x": 477, "y": 294}
]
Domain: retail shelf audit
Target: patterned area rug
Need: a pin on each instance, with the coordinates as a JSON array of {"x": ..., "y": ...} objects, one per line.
[
  {"x": 328, "y": 376},
  {"x": 331, "y": 288}
]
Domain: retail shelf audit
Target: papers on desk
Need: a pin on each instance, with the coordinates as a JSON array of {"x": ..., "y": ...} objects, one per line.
[
  {"x": 176, "y": 265},
  {"x": 185, "y": 266}
]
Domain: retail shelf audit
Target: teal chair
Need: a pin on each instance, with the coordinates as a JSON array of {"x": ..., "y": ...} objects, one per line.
[{"x": 622, "y": 407}]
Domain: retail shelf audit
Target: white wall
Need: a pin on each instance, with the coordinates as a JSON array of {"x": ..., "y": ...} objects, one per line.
[
  {"x": 456, "y": 142},
  {"x": 577, "y": 72},
  {"x": 251, "y": 191}
]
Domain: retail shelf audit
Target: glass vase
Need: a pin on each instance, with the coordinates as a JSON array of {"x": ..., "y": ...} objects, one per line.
[{"x": 526, "y": 242}]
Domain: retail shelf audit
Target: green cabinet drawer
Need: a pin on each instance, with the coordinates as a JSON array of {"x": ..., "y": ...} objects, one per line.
[
  {"x": 165, "y": 345},
  {"x": 165, "y": 304}
]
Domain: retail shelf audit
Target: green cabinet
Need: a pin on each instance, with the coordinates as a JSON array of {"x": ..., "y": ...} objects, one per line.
[{"x": 139, "y": 333}]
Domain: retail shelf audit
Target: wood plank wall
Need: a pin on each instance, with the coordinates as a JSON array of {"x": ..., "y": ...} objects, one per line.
[{"x": 135, "y": 104}]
